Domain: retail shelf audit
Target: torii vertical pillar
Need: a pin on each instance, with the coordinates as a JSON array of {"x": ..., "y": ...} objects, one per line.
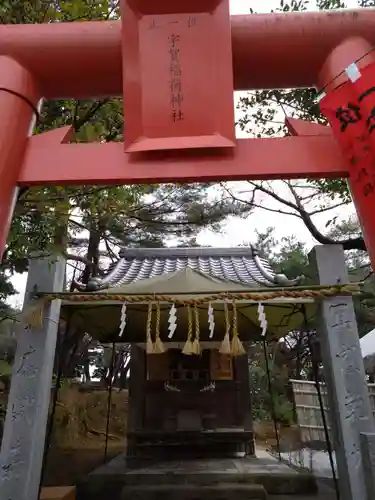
[
  {"x": 22, "y": 446},
  {"x": 19, "y": 97},
  {"x": 348, "y": 80},
  {"x": 348, "y": 396}
]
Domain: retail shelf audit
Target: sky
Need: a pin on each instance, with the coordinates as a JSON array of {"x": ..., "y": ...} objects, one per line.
[
  {"x": 238, "y": 231},
  {"x": 243, "y": 231}
]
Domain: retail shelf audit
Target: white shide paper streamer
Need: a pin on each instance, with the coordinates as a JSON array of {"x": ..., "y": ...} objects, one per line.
[
  {"x": 172, "y": 321},
  {"x": 211, "y": 320},
  {"x": 123, "y": 319},
  {"x": 262, "y": 319}
]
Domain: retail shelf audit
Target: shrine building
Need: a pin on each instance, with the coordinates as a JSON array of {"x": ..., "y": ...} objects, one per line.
[{"x": 189, "y": 390}]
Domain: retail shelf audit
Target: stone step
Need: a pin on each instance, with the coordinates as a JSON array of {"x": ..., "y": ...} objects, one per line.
[
  {"x": 274, "y": 482},
  {"x": 103, "y": 486},
  {"x": 195, "y": 492}
]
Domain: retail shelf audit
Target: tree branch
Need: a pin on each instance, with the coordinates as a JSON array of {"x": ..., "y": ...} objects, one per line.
[
  {"x": 349, "y": 244},
  {"x": 78, "y": 258}
]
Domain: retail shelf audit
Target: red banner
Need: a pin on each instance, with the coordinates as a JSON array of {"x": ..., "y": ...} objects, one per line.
[
  {"x": 364, "y": 89},
  {"x": 350, "y": 109}
]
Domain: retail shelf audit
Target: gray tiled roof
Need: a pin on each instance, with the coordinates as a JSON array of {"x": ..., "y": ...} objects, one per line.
[{"x": 240, "y": 265}]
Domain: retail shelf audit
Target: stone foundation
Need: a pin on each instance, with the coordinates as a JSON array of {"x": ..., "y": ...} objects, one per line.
[{"x": 233, "y": 478}]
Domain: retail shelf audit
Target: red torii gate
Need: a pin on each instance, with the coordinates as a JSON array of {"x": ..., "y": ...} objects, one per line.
[{"x": 177, "y": 67}]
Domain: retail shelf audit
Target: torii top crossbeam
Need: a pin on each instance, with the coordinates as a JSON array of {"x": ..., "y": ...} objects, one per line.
[
  {"x": 84, "y": 59},
  {"x": 176, "y": 68}
]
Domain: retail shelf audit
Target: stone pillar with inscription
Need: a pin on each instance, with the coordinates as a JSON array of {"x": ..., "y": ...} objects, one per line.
[
  {"x": 28, "y": 404},
  {"x": 349, "y": 402}
]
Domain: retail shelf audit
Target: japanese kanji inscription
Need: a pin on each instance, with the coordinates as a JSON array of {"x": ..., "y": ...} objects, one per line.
[
  {"x": 170, "y": 99},
  {"x": 350, "y": 110}
]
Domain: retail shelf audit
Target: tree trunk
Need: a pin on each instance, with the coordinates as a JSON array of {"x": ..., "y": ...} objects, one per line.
[
  {"x": 92, "y": 254},
  {"x": 86, "y": 368}
]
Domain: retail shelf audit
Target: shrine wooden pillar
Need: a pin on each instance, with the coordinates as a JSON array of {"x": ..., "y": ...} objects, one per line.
[
  {"x": 241, "y": 370},
  {"x": 243, "y": 395},
  {"x": 136, "y": 397}
]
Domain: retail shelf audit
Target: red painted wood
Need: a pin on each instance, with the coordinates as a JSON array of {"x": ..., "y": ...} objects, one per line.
[
  {"x": 252, "y": 159},
  {"x": 177, "y": 74},
  {"x": 56, "y": 136},
  {"x": 348, "y": 113},
  {"x": 83, "y": 59},
  {"x": 305, "y": 128},
  {"x": 354, "y": 49},
  {"x": 18, "y": 95}
]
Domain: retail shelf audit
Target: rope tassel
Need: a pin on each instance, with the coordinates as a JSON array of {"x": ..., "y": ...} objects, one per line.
[
  {"x": 149, "y": 344},
  {"x": 188, "y": 347},
  {"x": 237, "y": 348},
  {"x": 196, "y": 348},
  {"x": 158, "y": 346},
  {"x": 225, "y": 347}
]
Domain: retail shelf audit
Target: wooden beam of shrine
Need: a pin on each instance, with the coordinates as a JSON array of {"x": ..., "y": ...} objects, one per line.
[{"x": 49, "y": 162}]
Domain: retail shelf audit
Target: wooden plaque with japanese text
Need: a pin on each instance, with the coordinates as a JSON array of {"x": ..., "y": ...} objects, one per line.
[
  {"x": 177, "y": 75},
  {"x": 221, "y": 367}
]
